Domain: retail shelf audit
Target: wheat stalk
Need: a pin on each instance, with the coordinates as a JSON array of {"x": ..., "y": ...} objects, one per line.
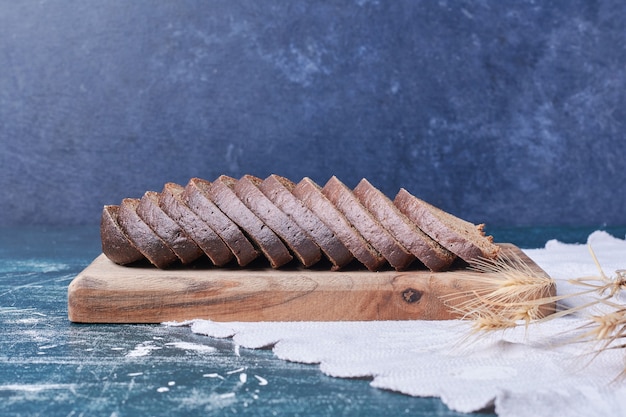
[
  {"x": 510, "y": 293},
  {"x": 606, "y": 327},
  {"x": 602, "y": 284},
  {"x": 506, "y": 292}
]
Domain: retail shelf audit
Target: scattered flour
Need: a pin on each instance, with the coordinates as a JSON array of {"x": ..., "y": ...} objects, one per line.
[
  {"x": 235, "y": 371},
  {"x": 142, "y": 349},
  {"x": 262, "y": 381},
  {"x": 36, "y": 387},
  {"x": 213, "y": 375},
  {"x": 192, "y": 346}
]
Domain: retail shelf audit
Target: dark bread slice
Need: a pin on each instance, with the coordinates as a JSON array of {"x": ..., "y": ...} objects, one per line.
[
  {"x": 196, "y": 196},
  {"x": 115, "y": 244},
  {"x": 171, "y": 201},
  {"x": 142, "y": 236},
  {"x": 434, "y": 256},
  {"x": 343, "y": 198},
  {"x": 167, "y": 229},
  {"x": 279, "y": 190},
  {"x": 223, "y": 195},
  {"x": 311, "y": 195},
  {"x": 465, "y": 239},
  {"x": 300, "y": 244}
]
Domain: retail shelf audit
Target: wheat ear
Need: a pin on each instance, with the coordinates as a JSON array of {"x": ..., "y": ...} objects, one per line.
[
  {"x": 506, "y": 292},
  {"x": 510, "y": 292}
]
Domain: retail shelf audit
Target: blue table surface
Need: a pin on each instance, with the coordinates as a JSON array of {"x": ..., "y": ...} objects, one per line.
[{"x": 51, "y": 367}]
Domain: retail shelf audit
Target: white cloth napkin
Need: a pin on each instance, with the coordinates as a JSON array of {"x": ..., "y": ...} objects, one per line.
[{"x": 534, "y": 371}]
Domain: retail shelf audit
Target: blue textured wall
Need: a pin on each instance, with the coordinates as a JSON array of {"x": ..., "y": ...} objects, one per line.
[{"x": 504, "y": 112}]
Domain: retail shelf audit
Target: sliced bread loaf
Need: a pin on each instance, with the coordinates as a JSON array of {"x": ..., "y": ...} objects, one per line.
[
  {"x": 142, "y": 236},
  {"x": 466, "y": 240},
  {"x": 171, "y": 201},
  {"x": 167, "y": 229},
  {"x": 343, "y": 198},
  {"x": 115, "y": 244},
  {"x": 196, "y": 196},
  {"x": 300, "y": 244},
  {"x": 311, "y": 195},
  {"x": 279, "y": 190},
  {"x": 223, "y": 195},
  {"x": 434, "y": 256}
]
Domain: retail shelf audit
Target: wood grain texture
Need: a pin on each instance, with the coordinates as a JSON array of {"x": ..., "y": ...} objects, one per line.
[{"x": 108, "y": 293}]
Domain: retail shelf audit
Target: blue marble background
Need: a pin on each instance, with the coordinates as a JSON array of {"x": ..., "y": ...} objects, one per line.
[{"x": 510, "y": 113}]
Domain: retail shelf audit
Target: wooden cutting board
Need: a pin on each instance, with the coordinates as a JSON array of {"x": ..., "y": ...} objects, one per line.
[{"x": 108, "y": 293}]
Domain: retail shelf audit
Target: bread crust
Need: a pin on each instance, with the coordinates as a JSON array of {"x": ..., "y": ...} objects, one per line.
[
  {"x": 430, "y": 253},
  {"x": 223, "y": 195},
  {"x": 167, "y": 229},
  {"x": 292, "y": 235},
  {"x": 170, "y": 200},
  {"x": 197, "y": 199},
  {"x": 279, "y": 190},
  {"x": 461, "y": 237},
  {"x": 142, "y": 236},
  {"x": 115, "y": 244},
  {"x": 363, "y": 221},
  {"x": 311, "y": 195}
]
